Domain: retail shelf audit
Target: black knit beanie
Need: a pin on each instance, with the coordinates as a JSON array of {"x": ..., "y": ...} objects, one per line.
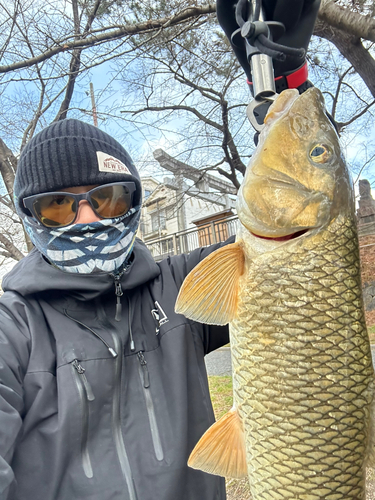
[{"x": 72, "y": 153}]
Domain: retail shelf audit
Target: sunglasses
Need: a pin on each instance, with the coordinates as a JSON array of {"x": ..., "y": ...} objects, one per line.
[{"x": 59, "y": 209}]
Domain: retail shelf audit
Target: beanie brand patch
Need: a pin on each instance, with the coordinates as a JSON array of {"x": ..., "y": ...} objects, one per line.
[{"x": 108, "y": 163}]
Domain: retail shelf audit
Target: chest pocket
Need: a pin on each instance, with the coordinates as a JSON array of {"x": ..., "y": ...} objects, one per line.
[
  {"x": 85, "y": 396},
  {"x": 145, "y": 382},
  {"x": 83, "y": 382}
]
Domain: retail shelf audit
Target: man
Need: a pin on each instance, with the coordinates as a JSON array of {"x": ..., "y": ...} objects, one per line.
[{"x": 103, "y": 388}]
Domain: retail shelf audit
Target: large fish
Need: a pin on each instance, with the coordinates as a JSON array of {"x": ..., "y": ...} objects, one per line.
[{"x": 290, "y": 288}]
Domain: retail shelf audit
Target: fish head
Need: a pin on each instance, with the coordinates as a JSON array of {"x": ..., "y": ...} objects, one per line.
[{"x": 297, "y": 179}]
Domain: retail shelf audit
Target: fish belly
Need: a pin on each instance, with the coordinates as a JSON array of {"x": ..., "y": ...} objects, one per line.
[{"x": 302, "y": 370}]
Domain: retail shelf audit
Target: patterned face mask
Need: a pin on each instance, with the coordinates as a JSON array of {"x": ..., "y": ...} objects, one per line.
[{"x": 100, "y": 246}]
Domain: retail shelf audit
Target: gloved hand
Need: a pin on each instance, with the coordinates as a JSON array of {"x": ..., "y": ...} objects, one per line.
[{"x": 298, "y": 17}]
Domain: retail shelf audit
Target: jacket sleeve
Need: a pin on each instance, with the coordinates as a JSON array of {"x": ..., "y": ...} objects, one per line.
[
  {"x": 14, "y": 356},
  {"x": 213, "y": 336}
]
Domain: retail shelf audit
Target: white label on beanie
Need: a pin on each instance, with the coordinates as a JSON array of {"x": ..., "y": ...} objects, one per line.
[{"x": 108, "y": 163}]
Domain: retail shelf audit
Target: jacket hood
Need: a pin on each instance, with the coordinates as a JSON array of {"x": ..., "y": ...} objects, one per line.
[{"x": 34, "y": 274}]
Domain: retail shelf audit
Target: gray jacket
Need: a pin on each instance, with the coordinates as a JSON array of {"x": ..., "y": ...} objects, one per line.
[{"x": 99, "y": 409}]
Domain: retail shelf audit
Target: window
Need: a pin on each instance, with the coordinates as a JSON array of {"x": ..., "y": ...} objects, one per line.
[
  {"x": 158, "y": 220},
  {"x": 147, "y": 193}
]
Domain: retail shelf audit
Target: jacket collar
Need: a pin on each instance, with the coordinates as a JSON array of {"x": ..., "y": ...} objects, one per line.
[{"x": 34, "y": 274}]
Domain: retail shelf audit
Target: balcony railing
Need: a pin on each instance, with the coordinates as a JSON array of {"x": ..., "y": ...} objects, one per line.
[{"x": 190, "y": 239}]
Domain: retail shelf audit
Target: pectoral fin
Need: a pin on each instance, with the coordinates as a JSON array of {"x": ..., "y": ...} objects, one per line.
[
  {"x": 221, "y": 450},
  {"x": 209, "y": 293}
]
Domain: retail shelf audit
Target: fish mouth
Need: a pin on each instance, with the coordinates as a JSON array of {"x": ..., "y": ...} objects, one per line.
[{"x": 286, "y": 237}]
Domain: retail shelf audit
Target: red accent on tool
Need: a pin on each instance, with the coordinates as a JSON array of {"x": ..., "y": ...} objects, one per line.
[{"x": 295, "y": 79}]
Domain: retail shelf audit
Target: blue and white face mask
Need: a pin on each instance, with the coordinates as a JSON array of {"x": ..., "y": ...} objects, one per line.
[{"x": 100, "y": 246}]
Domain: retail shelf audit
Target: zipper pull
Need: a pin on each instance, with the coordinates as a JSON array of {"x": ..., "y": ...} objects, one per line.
[
  {"x": 87, "y": 386},
  {"x": 78, "y": 367},
  {"x": 119, "y": 293},
  {"x": 112, "y": 351},
  {"x": 146, "y": 375}
]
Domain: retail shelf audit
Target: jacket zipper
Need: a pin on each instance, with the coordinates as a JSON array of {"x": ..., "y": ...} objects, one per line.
[
  {"x": 118, "y": 291},
  {"x": 116, "y": 423},
  {"x": 110, "y": 349},
  {"x": 79, "y": 368},
  {"x": 145, "y": 378},
  {"x": 86, "y": 395}
]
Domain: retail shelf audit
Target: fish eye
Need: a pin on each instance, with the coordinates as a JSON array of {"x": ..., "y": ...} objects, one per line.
[{"x": 320, "y": 153}]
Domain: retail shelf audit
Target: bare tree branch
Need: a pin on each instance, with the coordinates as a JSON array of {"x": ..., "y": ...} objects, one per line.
[
  {"x": 346, "y": 20},
  {"x": 231, "y": 176},
  {"x": 179, "y": 107},
  {"x": 352, "y": 49},
  {"x": 341, "y": 125},
  {"x": 233, "y": 159},
  {"x": 131, "y": 29},
  {"x": 5, "y": 200},
  {"x": 6, "y": 255},
  {"x": 363, "y": 167},
  {"x": 337, "y": 93},
  {"x": 29, "y": 131},
  {"x": 10, "y": 248},
  {"x": 13, "y": 17},
  {"x": 75, "y": 62},
  {"x": 8, "y": 165}
]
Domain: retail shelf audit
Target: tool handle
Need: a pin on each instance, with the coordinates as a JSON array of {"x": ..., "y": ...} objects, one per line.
[
  {"x": 263, "y": 78},
  {"x": 262, "y": 70}
]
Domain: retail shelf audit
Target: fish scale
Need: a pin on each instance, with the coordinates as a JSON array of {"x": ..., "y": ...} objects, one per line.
[{"x": 302, "y": 380}]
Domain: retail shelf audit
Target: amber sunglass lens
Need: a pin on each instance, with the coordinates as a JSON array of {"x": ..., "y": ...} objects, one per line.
[
  {"x": 55, "y": 210},
  {"x": 111, "y": 201}
]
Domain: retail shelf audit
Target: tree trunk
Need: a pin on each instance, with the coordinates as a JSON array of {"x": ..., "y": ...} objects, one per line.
[
  {"x": 75, "y": 64},
  {"x": 352, "y": 49},
  {"x": 10, "y": 248},
  {"x": 8, "y": 165}
]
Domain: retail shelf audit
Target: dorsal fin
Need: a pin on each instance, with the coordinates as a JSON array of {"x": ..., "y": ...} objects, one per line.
[{"x": 209, "y": 293}]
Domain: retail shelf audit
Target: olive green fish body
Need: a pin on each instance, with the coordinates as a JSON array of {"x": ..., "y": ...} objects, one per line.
[
  {"x": 302, "y": 369},
  {"x": 290, "y": 288}
]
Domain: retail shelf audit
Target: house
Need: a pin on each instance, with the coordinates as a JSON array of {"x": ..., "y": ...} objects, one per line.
[
  {"x": 178, "y": 215},
  {"x": 170, "y": 208},
  {"x": 168, "y": 211}
]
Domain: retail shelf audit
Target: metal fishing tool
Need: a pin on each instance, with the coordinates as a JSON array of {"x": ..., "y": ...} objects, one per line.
[{"x": 258, "y": 34}]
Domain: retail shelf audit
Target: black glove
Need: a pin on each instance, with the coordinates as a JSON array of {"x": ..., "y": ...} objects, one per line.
[{"x": 298, "y": 17}]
